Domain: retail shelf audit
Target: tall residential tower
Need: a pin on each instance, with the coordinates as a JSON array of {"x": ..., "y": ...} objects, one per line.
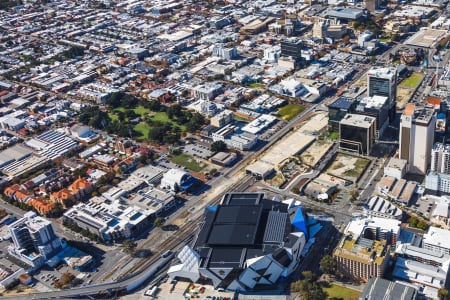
[
  {"x": 416, "y": 137},
  {"x": 34, "y": 240}
]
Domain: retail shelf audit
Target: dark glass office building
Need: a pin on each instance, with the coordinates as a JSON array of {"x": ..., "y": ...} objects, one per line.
[
  {"x": 338, "y": 109},
  {"x": 357, "y": 133},
  {"x": 292, "y": 47}
]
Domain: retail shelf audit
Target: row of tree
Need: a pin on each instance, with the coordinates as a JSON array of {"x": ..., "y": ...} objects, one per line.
[{"x": 416, "y": 223}]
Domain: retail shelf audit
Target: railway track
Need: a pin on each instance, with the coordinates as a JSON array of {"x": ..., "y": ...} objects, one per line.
[
  {"x": 237, "y": 187},
  {"x": 184, "y": 233}
]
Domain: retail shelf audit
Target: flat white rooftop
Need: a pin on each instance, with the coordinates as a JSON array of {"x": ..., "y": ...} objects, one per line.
[
  {"x": 358, "y": 120},
  {"x": 357, "y": 225},
  {"x": 438, "y": 237}
]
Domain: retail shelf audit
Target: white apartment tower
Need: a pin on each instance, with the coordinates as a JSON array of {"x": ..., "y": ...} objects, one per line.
[
  {"x": 440, "y": 158},
  {"x": 34, "y": 240},
  {"x": 416, "y": 137}
]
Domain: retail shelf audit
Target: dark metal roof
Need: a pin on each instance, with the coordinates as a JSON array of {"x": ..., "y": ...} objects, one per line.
[
  {"x": 275, "y": 228},
  {"x": 226, "y": 257},
  {"x": 238, "y": 214},
  {"x": 232, "y": 235},
  {"x": 378, "y": 288},
  {"x": 243, "y": 226},
  {"x": 342, "y": 103}
]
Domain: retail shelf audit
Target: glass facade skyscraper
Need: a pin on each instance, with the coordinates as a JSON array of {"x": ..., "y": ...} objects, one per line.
[{"x": 383, "y": 82}]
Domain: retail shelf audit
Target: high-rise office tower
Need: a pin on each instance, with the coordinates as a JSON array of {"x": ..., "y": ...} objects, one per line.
[
  {"x": 357, "y": 133},
  {"x": 416, "y": 137},
  {"x": 383, "y": 82}
]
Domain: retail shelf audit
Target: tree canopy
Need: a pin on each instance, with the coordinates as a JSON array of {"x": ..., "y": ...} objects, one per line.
[
  {"x": 129, "y": 246},
  {"x": 328, "y": 264},
  {"x": 218, "y": 146}
]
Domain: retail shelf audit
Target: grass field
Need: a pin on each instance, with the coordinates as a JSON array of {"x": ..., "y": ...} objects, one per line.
[
  {"x": 188, "y": 162},
  {"x": 334, "y": 135},
  {"x": 240, "y": 119},
  {"x": 140, "y": 110},
  {"x": 359, "y": 167},
  {"x": 122, "y": 109},
  {"x": 289, "y": 111},
  {"x": 257, "y": 85},
  {"x": 113, "y": 117},
  {"x": 163, "y": 118},
  {"x": 412, "y": 81},
  {"x": 143, "y": 129},
  {"x": 337, "y": 291}
]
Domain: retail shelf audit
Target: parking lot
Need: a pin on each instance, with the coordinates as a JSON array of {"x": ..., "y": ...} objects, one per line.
[
  {"x": 177, "y": 290},
  {"x": 423, "y": 207},
  {"x": 270, "y": 132},
  {"x": 198, "y": 150}
]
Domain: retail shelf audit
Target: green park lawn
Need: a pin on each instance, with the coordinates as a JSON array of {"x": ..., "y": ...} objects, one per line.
[
  {"x": 140, "y": 110},
  {"x": 412, "y": 81},
  {"x": 240, "y": 119},
  {"x": 113, "y": 117},
  {"x": 289, "y": 111},
  {"x": 163, "y": 118},
  {"x": 340, "y": 292},
  {"x": 256, "y": 85},
  {"x": 188, "y": 162},
  {"x": 334, "y": 135},
  {"x": 143, "y": 129}
]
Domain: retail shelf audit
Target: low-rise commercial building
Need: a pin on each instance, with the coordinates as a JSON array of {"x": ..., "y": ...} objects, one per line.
[
  {"x": 437, "y": 239},
  {"x": 396, "y": 168},
  {"x": 221, "y": 119},
  {"x": 379, "y": 288},
  {"x": 224, "y": 159},
  {"x": 440, "y": 213},
  {"x": 397, "y": 190},
  {"x": 177, "y": 180},
  {"x": 364, "y": 251},
  {"x": 379, "y": 207},
  {"x": 110, "y": 222}
]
